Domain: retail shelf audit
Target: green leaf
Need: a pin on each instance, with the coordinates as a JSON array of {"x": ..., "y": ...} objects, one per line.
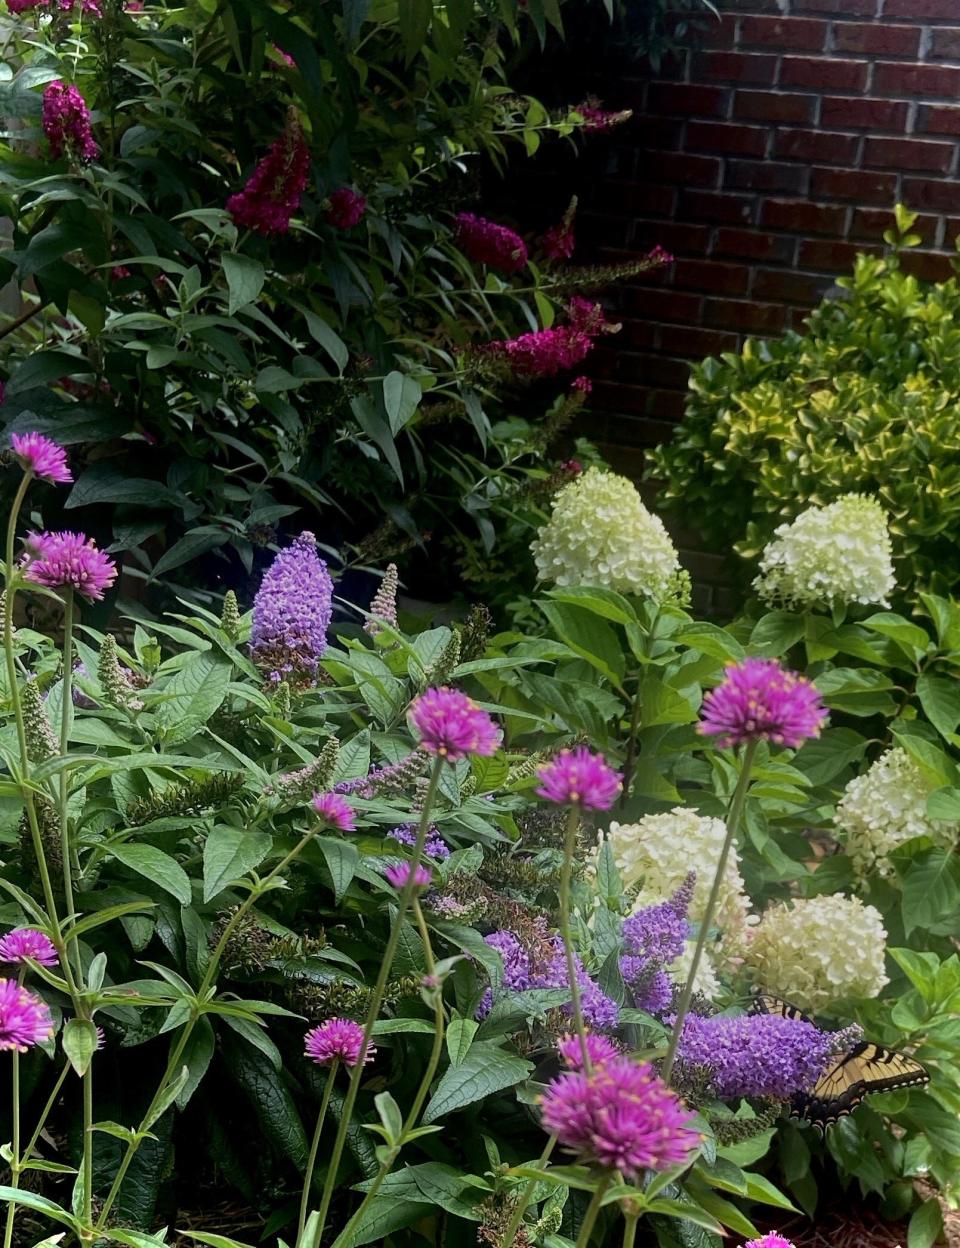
[
  {"x": 603, "y": 602},
  {"x": 214, "y": 1241},
  {"x": 823, "y": 758},
  {"x": 762, "y": 1190},
  {"x": 196, "y": 691},
  {"x": 229, "y": 854},
  {"x": 80, "y": 1043},
  {"x": 190, "y": 546},
  {"x": 153, "y": 864},
  {"x": 940, "y": 699},
  {"x": 197, "y": 1057},
  {"x": 931, "y": 889},
  {"x": 331, "y": 342},
  {"x": 485, "y": 1069},
  {"x": 388, "y": 1026},
  {"x": 775, "y": 633},
  {"x": 341, "y": 858},
  {"x": 926, "y": 1225},
  {"x": 401, "y": 398},
  {"x": 245, "y": 278},
  {"x": 40, "y": 1204},
  {"x": 460, "y": 1033},
  {"x": 587, "y": 635}
]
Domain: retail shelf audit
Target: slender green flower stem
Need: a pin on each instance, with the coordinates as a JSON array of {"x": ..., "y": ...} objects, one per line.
[
  {"x": 376, "y": 999},
  {"x": 314, "y": 1148},
  {"x": 733, "y": 819},
  {"x": 15, "y": 1160},
  {"x": 566, "y": 875},
  {"x": 66, "y": 847},
  {"x": 630, "y": 763},
  {"x": 630, "y": 1229},
  {"x": 526, "y": 1196},
  {"x": 88, "y": 1148},
  {"x": 593, "y": 1209},
  {"x": 47, "y": 1110}
]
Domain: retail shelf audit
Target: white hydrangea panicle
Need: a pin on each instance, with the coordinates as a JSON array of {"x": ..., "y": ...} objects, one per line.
[
  {"x": 834, "y": 554},
  {"x": 884, "y": 807},
  {"x": 814, "y": 950},
  {"x": 705, "y": 982},
  {"x": 600, "y": 533}
]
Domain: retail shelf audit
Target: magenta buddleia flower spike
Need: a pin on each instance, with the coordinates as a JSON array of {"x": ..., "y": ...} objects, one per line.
[
  {"x": 291, "y": 614},
  {"x": 759, "y": 701},
  {"x": 66, "y": 122},
  {"x": 272, "y": 195},
  {"x": 486, "y": 242},
  {"x": 345, "y": 208}
]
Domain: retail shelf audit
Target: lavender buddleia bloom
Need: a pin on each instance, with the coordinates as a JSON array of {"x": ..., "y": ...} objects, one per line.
[
  {"x": 435, "y": 847},
  {"x": 291, "y": 614},
  {"x": 651, "y": 990},
  {"x": 394, "y": 778},
  {"x": 658, "y": 934}
]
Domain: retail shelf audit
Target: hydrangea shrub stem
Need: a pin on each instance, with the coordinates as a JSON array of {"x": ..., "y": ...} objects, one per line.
[
  {"x": 314, "y": 1148},
  {"x": 733, "y": 819}
]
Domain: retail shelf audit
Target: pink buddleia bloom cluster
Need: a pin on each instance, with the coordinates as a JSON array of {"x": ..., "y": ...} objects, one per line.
[
  {"x": 486, "y": 242},
  {"x": 582, "y": 385},
  {"x": 596, "y": 118},
  {"x": 450, "y": 724},
  {"x": 337, "y": 1040},
  {"x": 25, "y": 1020},
  {"x": 27, "y": 942},
  {"x": 345, "y": 208},
  {"x": 770, "y": 1240},
  {"x": 66, "y": 122},
  {"x": 600, "y": 1049},
  {"x": 272, "y": 195},
  {"x": 759, "y": 701},
  {"x": 335, "y": 811},
  {"x": 69, "y": 561},
  {"x": 559, "y": 241},
  {"x": 621, "y": 1116},
  {"x": 41, "y": 457},
  {"x": 579, "y": 778},
  {"x": 399, "y": 875},
  {"x": 546, "y": 352}
]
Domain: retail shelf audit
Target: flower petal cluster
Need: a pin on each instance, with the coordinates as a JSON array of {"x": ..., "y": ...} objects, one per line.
[
  {"x": 814, "y": 950},
  {"x": 559, "y": 242},
  {"x": 291, "y": 614},
  {"x": 337, "y": 1040},
  {"x": 69, "y": 561},
  {"x": 399, "y": 874},
  {"x": 600, "y": 533},
  {"x": 759, "y": 701},
  {"x": 272, "y": 195},
  {"x": 27, "y": 942},
  {"x": 834, "y": 554},
  {"x": 543, "y": 964},
  {"x": 579, "y": 778},
  {"x": 546, "y": 352},
  {"x": 596, "y": 118},
  {"x": 884, "y": 807},
  {"x": 450, "y": 724},
  {"x": 41, "y": 457},
  {"x": 755, "y": 1055},
  {"x": 66, "y": 122},
  {"x": 345, "y": 208},
  {"x": 658, "y": 933},
  {"x": 383, "y": 608},
  {"x": 599, "y": 1049},
  {"x": 620, "y": 1117},
  {"x": 434, "y": 847},
  {"x": 770, "y": 1240},
  {"x": 486, "y": 242},
  {"x": 335, "y": 811},
  {"x": 25, "y": 1019}
]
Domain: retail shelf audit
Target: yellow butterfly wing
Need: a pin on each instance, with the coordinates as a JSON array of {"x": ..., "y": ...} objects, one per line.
[{"x": 866, "y": 1068}]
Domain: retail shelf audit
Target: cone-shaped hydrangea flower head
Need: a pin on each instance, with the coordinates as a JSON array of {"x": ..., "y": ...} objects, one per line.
[
  {"x": 486, "y": 242},
  {"x": 272, "y": 196},
  {"x": 337, "y": 1040},
  {"x": 335, "y": 811},
  {"x": 27, "y": 942},
  {"x": 345, "y": 208},
  {"x": 579, "y": 778},
  {"x": 600, "y": 534},
  {"x": 41, "y": 457},
  {"x": 66, "y": 122},
  {"x": 600, "y": 1049},
  {"x": 69, "y": 561},
  {"x": 834, "y": 554},
  {"x": 620, "y": 1117},
  {"x": 291, "y": 614},
  {"x": 759, "y": 701},
  {"x": 24, "y": 1018},
  {"x": 399, "y": 874},
  {"x": 450, "y": 724}
]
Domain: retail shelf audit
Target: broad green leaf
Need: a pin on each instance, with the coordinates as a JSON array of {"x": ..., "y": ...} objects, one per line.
[
  {"x": 229, "y": 853},
  {"x": 331, "y": 342},
  {"x": 153, "y": 864},
  {"x": 245, "y": 278},
  {"x": 341, "y": 858},
  {"x": 931, "y": 889},
  {"x": 926, "y": 1225},
  {"x": 460, "y": 1033},
  {"x": 589, "y": 636},
  {"x": 40, "y": 1204},
  {"x": 401, "y": 397},
  {"x": 197, "y": 1057},
  {"x": 79, "y": 1043},
  {"x": 190, "y": 546},
  {"x": 940, "y": 698},
  {"x": 197, "y": 690},
  {"x": 603, "y": 602},
  {"x": 485, "y": 1069}
]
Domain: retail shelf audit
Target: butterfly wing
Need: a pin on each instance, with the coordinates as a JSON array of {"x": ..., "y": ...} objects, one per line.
[
  {"x": 766, "y": 1003},
  {"x": 866, "y": 1068}
]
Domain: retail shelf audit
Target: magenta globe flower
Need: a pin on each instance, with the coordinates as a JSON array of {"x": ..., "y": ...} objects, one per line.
[
  {"x": 41, "y": 457},
  {"x": 27, "y": 942},
  {"x": 336, "y": 1040},
  {"x": 579, "y": 778},
  {"x": 770, "y": 1240},
  {"x": 24, "y": 1018},
  {"x": 69, "y": 561},
  {"x": 450, "y": 724},
  {"x": 335, "y": 811},
  {"x": 759, "y": 701},
  {"x": 400, "y": 874},
  {"x": 600, "y": 1049}
]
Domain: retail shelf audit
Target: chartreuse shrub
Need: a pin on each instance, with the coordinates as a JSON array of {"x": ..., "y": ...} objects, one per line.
[
  {"x": 863, "y": 401},
  {"x": 398, "y": 937}
]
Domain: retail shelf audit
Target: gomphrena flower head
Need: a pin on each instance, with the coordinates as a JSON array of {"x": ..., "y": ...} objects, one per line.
[
  {"x": 69, "y": 561},
  {"x": 399, "y": 874},
  {"x": 579, "y": 778},
  {"x": 24, "y": 1018},
  {"x": 620, "y": 1117},
  {"x": 770, "y": 1240},
  {"x": 599, "y": 533},
  {"x": 337, "y": 1040},
  {"x": 27, "y": 942},
  {"x": 450, "y": 724},
  {"x": 884, "y": 807},
  {"x": 434, "y": 847},
  {"x": 345, "y": 208},
  {"x": 291, "y": 614},
  {"x": 755, "y": 1055},
  {"x": 814, "y": 950},
  {"x": 600, "y": 1049},
  {"x": 41, "y": 457},
  {"x": 759, "y": 701},
  {"x": 272, "y": 195},
  {"x": 66, "y": 122},
  {"x": 834, "y": 554},
  {"x": 335, "y": 811},
  {"x": 486, "y": 242}
]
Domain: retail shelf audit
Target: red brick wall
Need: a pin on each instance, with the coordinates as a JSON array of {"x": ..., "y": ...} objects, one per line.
[{"x": 764, "y": 160}]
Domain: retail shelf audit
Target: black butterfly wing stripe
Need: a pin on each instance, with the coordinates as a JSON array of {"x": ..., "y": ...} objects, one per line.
[
  {"x": 766, "y": 1003},
  {"x": 866, "y": 1068}
]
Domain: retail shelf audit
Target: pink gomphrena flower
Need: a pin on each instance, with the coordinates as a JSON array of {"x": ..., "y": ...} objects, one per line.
[
  {"x": 27, "y": 942},
  {"x": 335, "y": 811},
  {"x": 583, "y": 385},
  {"x": 344, "y": 208},
  {"x": 600, "y": 1049},
  {"x": 400, "y": 874},
  {"x": 450, "y": 724},
  {"x": 337, "y": 1040},
  {"x": 579, "y": 778},
  {"x": 101, "y": 1039},
  {"x": 24, "y": 1018},
  {"x": 770, "y": 1240},
  {"x": 69, "y": 561},
  {"x": 272, "y": 195},
  {"x": 621, "y": 1116},
  {"x": 66, "y": 122},
  {"x": 41, "y": 457},
  {"x": 486, "y": 242},
  {"x": 759, "y": 701}
]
